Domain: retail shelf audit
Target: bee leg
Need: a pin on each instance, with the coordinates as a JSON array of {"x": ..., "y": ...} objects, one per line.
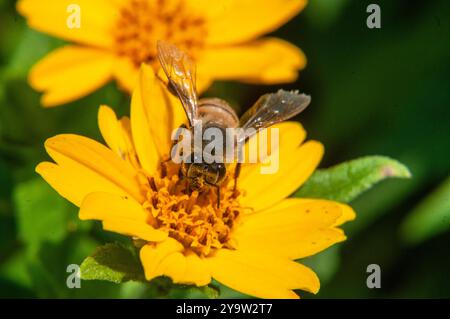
[
  {"x": 218, "y": 196},
  {"x": 237, "y": 171}
]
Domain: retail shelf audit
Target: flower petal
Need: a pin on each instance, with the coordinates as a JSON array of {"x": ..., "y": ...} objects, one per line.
[
  {"x": 97, "y": 18},
  {"x": 62, "y": 73},
  {"x": 166, "y": 259},
  {"x": 111, "y": 130},
  {"x": 154, "y": 114},
  {"x": 267, "y": 61},
  {"x": 126, "y": 74},
  {"x": 197, "y": 272},
  {"x": 295, "y": 165},
  {"x": 153, "y": 254},
  {"x": 262, "y": 276},
  {"x": 348, "y": 214},
  {"x": 120, "y": 214},
  {"x": 117, "y": 134},
  {"x": 295, "y": 228},
  {"x": 144, "y": 142},
  {"x": 85, "y": 166},
  {"x": 291, "y": 135},
  {"x": 134, "y": 229},
  {"x": 241, "y": 20},
  {"x": 103, "y": 206}
]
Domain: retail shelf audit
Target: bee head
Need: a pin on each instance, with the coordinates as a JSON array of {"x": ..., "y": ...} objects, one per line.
[{"x": 210, "y": 174}]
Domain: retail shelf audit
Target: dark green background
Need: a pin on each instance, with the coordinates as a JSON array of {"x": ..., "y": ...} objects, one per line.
[{"x": 384, "y": 91}]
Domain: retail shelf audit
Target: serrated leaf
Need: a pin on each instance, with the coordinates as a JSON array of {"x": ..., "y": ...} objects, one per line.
[
  {"x": 211, "y": 291},
  {"x": 177, "y": 291},
  {"x": 112, "y": 262},
  {"x": 430, "y": 218},
  {"x": 41, "y": 214},
  {"x": 344, "y": 182}
]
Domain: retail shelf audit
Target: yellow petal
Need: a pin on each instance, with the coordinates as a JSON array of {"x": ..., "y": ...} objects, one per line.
[
  {"x": 293, "y": 229},
  {"x": 85, "y": 166},
  {"x": 117, "y": 134},
  {"x": 291, "y": 135},
  {"x": 119, "y": 214},
  {"x": 187, "y": 270},
  {"x": 348, "y": 214},
  {"x": 103, "y": 206},
  {"x": 134, "y": 229},
  {"x": 110, "y": 129},
  {"x": 154, "y": 114},
  {"x": 143, "y": 140},
  {"x": 262, "y": 276},
  {"x": 153, "y": 254},
  {"x": 197, "y": 272},
  {"x": 295, "y": 165},
  {"x": 97, "y": 19},
  {"x": 126, "y": 74},
  {"x": 166, "y": 259},
  {"x": 71, "y": 72},
  {"x": 202, "y": 83},
  {"x": 173, "y": 266},
  {"x": 236, "y": 21},
  {"x": 267, "y": 61}
]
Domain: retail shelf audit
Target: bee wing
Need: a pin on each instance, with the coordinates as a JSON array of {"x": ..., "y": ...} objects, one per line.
[
  {"x": 271, "y": 109},
  {"x": 181, "y": 73}
]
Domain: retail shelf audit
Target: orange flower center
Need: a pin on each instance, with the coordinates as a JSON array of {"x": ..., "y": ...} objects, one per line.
[
  {"x": 142, "y": 22},
  {"x": 192, "y": 218}
]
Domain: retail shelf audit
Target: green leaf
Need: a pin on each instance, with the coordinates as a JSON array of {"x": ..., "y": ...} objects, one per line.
[
  {"x": 132, "y": 290},
  {"x": 42, "y": 215},
  {"x": 176, "y": 291},
  {"x": 211, "y": 291},
  {"x": 344, "y": 182},
  {"x": 112, "y": 262},
  {"x": 430, "y": 218}
]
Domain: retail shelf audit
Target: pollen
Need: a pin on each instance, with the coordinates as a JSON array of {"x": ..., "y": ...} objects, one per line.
[
  {"x": 194, "y": 219},
  {"x": 143, "y": 22}
]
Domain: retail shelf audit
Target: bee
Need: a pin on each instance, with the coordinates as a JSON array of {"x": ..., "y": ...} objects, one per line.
[{"x": 216, "y": 113}]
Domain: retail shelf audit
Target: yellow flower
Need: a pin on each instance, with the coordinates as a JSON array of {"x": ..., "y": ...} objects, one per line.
[
  {"x": 249, "y": 243},
  {"x": 116, "y": 36}
]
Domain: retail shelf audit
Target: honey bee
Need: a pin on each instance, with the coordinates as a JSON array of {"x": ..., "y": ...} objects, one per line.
[{"x": 216, "y": 113}]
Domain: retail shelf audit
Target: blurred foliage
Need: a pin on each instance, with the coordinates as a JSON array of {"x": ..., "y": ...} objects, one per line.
[
  {"x": 380, "y": 91},
  {"x": 431, "y": 216}
]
